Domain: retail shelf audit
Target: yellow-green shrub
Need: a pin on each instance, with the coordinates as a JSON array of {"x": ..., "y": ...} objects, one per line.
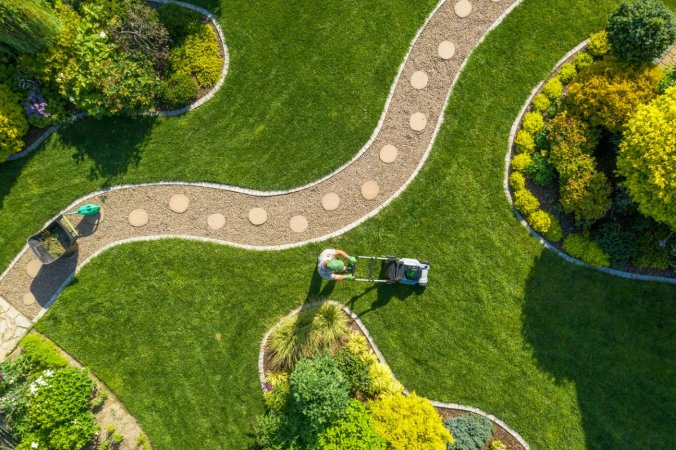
[
  {"x": 198, "y": 56},
  {"x": 553, "y": 88},
  {"x": 598, "y": 44},
  {"x": 517, "y": 181},
  {"x": 532, "y": 122},
  {"x": 582, "y": 247},
  {"x": 409, "y": 422},
  {"x": 382, "y": 380},
  {"x": 541, "y": 102},
  {"x": 608, "y": 92},
  {"x": 582, "y": 60},
  {"x": 587, "y": 195},
  {"x": 647, "y": 158},
  {"x": 13, "y": 123},
  {"x": 357, "y": 344},
  {"x": 545, "y": 224},
  {"x": 521, "y": 162},
  {"x": 524, "y": 142},
  {"x": 525, "y": 202},
  {"x": 567, "y": 72}
]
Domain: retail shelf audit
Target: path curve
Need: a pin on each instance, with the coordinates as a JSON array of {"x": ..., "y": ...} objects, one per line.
[
  {"x": 276, "y": 220},
  {"x": 381, "y": 358}
]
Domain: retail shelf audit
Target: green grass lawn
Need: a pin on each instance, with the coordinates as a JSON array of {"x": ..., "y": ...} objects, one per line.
[{"x": 569, "y": 357}]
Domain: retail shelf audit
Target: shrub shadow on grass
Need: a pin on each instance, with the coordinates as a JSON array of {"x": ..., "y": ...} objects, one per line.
[
  {"x": 619, "y": 354},
  {"x": 9, "y": 174}
]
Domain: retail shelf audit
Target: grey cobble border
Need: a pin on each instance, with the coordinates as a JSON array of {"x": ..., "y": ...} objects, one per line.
[
  {"x": 174, "y": 112},
  {"x": 522, "y": 220},
  {"x": 381, "y": 358}
]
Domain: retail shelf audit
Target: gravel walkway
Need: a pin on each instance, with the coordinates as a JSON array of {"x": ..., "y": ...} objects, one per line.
[{"x": 275, "y": 220}]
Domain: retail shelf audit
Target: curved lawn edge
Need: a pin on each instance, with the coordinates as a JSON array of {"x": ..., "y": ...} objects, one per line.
[
  {"x": 381, "y": 358},
  {"x": 174, "y": 112},
  {"x": 541, "y": 239}
]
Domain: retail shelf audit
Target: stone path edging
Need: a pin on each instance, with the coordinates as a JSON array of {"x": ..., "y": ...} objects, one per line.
[
  {"x": 522, "y": 220},
  {"x": 174, "y": 112},
  {"x": 381, "y": 358}
]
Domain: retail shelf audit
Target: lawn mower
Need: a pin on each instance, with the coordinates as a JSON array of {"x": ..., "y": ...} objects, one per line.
[{"x": 393, "y": 270}]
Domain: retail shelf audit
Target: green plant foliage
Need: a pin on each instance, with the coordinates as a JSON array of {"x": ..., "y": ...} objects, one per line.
[
  {"x": 608, "y": 92},
  {"x": 359, "y": 345},
  {"x": 521, "y": 162},
  {"x": 276, "y": 396},
  {"x": 199, "y": 56},
  {"x": 27, "y": 26},
  {"x": 306, "y": 334},
  {"x": 179, "y": 22},
  {"x": 580, "y": 246},
  {"x": 541, "y": 102},
  {"x": 470, "y": 431},
  {"x": 382, "y": 380},
  {"x": 498, "y": 445},
  {"x": 541, "y": 172},
  {"x": 668, "y": 80},
  {"x": 525, "y": 202},
  {"x": 646, "y": 158},
  {"x": 409, "y": 422},
  {"x": 13, "y": 124},
  {"x": 542, "y": 140},
  {"x": 620, "y": 244},
  {"x": 545, "y": 224},
  {"x": 532, "y": 122},
  {"x": 582, "y": 60},
  {"x": 14, "y": 371},
  {"x": 355, "y": 370},
  {"x": 566, "y": 73},
  {"x": 42, "y": 352},
  {"x": 587, "y": 195},
  {"x": 524, "y": 142},
  {"x": 640, "y": 30},
  {"x": 598, "y": 44},
  {"x": 553, "y": 88},
  {"x": 269, "y": 430},
  {"x": 355, "y": 430},
  {"x": 179, "y": 90},
  {"x": 517, "y": 181}
]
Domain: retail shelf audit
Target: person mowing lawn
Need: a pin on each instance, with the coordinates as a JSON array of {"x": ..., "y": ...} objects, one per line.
[{"x": 331, "y": 267}]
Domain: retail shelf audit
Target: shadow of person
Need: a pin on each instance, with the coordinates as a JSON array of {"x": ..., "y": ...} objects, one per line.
[
  {"x": 88, "y": 224},
  {"x": 52, "y": 277},
  {"x": 618, "y": 353},
  {"x": 315, "y": 291}
]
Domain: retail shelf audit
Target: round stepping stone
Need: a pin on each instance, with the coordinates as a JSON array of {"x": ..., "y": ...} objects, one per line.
[
  {"x": 370, "y": 190},
  {"x": 29, "y": 299},
  {"x": 298, "y": 224},
  {"x": 446, "y": 50},
  {"x": 179, "y": 203},
  {"x": 138, "y": 218},
  {"x": 258, "y": 216},
  {"x": 419, "y": 80},
  {"x": 33, "y": 268},
  {"x": 388, "y": 153},
  {"x": 463, "y": 8},
  {"x": 418, "y": 121},
  {"x": 216, "y": 221},
  {"x": 330, "y": 201}
]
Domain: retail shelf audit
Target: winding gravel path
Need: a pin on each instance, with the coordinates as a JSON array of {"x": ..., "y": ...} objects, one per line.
[{"x": 380, "y": 171}]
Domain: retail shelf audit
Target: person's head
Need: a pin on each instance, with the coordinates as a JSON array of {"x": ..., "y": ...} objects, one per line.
[{"x": 335, "y": 265}]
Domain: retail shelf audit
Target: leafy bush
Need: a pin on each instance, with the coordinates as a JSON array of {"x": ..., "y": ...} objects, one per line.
[
  {"x": 27, "y": 26},
  {"x": 582, "y": 60},
  {"x": 517, "y": 181},
  {"x": 525, "y": 202},
  {"x": 269, "y": 430},
  {"x": 470, "y": 431},
  {"x": 14, "y": 371},
  {"x": 668, "y": 80},
  {"x": 277, "y": 391},
  {"x": 598, "y": 44},
  {"x": 179, "y": 22},
  {"x": 541, "y": 102},
  {"x": 42, "y": 352},
  {"x": 587, "y": 195},
  {"x": 521, "y": 162},
  {"x": 409, "y": 422},
  {"x": 646, "y": 158},
  {"x": 306, "y": 334},
  {"x": 199, "y": 56},
  {"x": 541, "y": 139},
  {"x": 568, "y": 136},
  {"x": 652, "y": 257},
  {"x": 619, "y": 244},
  {"x": 13, "y": 124},
  {"x": 498, "y": 445},
  {"x": 545, "y": 224},
  {"x": 354, "y": 431},
  {"x": 532, "y": 122},
  {"x": 319, "y": 395},
  {"x": 608, "y": 92},
  {"x": 44, "y": 109},
  {"x": 640, "y": 31},
  {"x": 566, "y": 73},
  {"x": 355, "y": 370},
  {"x": 524, "y": 142},
  {"x": 357, "y": 344},
  {"x": 580, "y": 246},
  {"x": 541, "y": 172},
  {"x": 382, "y": 380},
  {"x": 553, "y": 88},
  {"x": 179, "y": 90}
]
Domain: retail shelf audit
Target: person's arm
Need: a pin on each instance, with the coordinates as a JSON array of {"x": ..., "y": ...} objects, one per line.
[
  {"x": 337, "y": 277},
  {"x": 342, "y": 254}
]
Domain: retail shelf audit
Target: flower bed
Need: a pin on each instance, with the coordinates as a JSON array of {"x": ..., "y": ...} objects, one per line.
[{"x": 581, "y": 172}]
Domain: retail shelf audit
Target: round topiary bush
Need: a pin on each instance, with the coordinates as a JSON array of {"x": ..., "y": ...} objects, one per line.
[
  {"x": 525, "y": 202},
  {"x": 640, "y": 31},
  {"x": 179, "y": 90}
]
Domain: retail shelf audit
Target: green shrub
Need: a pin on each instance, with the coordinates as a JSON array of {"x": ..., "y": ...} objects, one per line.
[
  {"x": 382, "y": 380},
  {"x": 521, "y": 162},
  {"x": 199, "y": 56},
  {"x": 532, "y": 122},
  {"x": 525, "y": 202},
  {"x": 354, "y": 431},
  {"x": 654, "y": 257},
  {"x": 13, "y": 124},
  {"x": 306, "y": 334},
  {"x": 541, "y": 172},
  {"x": 14, "y": 371},
  {"x": 553, "y": 88},
  {"x": 179, "y": 90},
  {"x": 470, "y": 431},
  {"x": 569, "y": 136},
  {"x": 541, "y": 139},
  {"x": 619, "y": 244},
  {"x": 42, "y": 352},
  {"x": 541, "y": 102},
  {"x": 179, "y": 21},
  {"x": 545, "y": 224},
  {"x": 598, "y": 44},
  {"x": 582, "y": 60},
  {"x": 608, "y": 92},
  {"x": 498, "y": 445},
  {"x": 276, "y": 393},
  {"x": 27, "y": 26},
  {"x": 269, "y": 431},
  {"x": 668, "y": 80},
  {"x": 359, "y": 345},
  {"x": 409, "y": 422},
  {"x": 44, "y": 109},
  {"x": 640, "y": 31},
  {"x": 580, "y": 246},
  {"x": 566, "y": 73},
  {"x": 524, "y": 142},
  {"x": 587, "y": 195},
  {"x": 646, "y": 158},
  {"x": 517, "y": 181},
  {"x": 355, "y": 370}
]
